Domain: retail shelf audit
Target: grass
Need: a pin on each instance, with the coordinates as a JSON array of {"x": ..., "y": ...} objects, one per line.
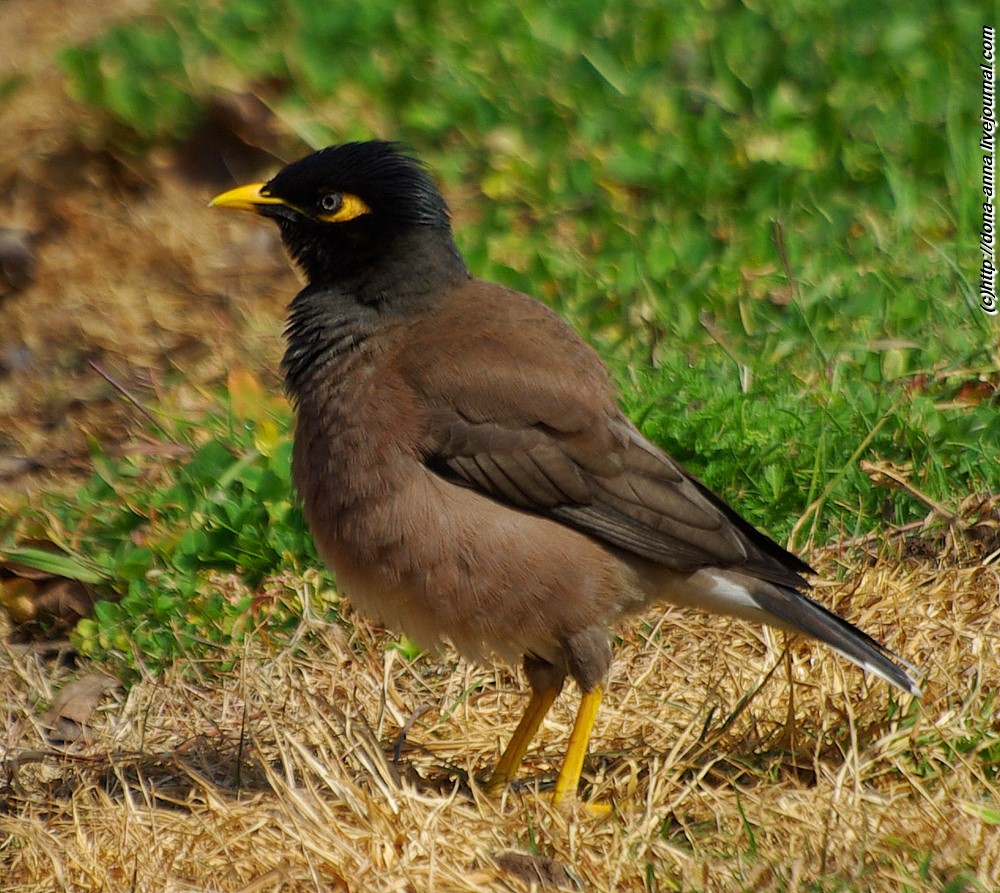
[
  {"x": 279, "y": 774},
  {"x": 763, "y": 220}
]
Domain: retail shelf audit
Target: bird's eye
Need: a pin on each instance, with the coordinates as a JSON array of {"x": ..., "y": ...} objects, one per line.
[{"x": 331, "y": 202}]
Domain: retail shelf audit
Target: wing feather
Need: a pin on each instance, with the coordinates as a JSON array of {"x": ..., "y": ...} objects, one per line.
[{"x": 524, "y": 412}]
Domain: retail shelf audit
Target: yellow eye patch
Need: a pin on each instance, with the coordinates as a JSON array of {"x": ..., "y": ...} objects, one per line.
[
  {"x": 335, "y": 207},
  {"x": 342, "y": 207}
]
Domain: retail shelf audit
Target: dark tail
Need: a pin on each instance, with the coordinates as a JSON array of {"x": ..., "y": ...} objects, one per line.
[{"x": 795, "y": 611}]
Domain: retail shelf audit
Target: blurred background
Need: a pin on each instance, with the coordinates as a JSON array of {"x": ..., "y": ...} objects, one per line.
[{"x": 765, "y": 216}]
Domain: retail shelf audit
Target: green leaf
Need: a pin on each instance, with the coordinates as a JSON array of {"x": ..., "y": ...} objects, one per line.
[{"x": 61, "y": 564}]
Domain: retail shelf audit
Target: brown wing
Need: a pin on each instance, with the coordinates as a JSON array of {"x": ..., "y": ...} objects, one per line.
[{"x": 520, "y": 408}]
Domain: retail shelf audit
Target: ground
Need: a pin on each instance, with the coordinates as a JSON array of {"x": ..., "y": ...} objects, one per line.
[
  {"x": 133, "y": 275},
  {"x": 283, "y": 776}
]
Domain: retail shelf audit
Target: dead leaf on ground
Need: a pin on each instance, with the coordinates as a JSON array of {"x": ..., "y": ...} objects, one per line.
[
  {"x": 68, "y": 717},
  {"x": 535, "y": 870},
  {"x": 41, "y": 603}
]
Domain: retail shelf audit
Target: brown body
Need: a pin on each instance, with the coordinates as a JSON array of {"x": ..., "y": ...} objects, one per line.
[
  {"x": 442, "y": 560},
  {"x": 427, "y": 555}
]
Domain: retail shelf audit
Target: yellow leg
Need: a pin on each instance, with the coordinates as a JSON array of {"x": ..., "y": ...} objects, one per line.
[
  {"x": 569, "y": 774},
  {"x": 535, "y": 712}
]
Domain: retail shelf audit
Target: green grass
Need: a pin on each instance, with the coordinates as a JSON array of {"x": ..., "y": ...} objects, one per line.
[
  {"x": 161, "y": 542},
  {"x": 764, "y": 218}
]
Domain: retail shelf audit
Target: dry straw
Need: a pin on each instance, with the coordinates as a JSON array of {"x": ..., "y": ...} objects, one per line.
[{"x": 281, "y": 776}]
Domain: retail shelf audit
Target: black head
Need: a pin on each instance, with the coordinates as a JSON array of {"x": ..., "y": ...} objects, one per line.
[
  {"x": 393, "y": 188},
  {"x": 348, "y": 211}
]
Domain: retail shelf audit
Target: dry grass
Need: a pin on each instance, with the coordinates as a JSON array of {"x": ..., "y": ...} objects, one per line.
[{"x": 280, "y": 776}]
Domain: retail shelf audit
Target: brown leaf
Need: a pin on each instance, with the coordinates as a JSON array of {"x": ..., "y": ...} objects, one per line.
[
  {"x": 61, "y": 603},
  {"x": 45, "y": 605},
  {"x": 18, "y": 596},
  {"x": 972, "y": 393},
  {"x": 41, "y": 603},
  {"x": 534, "y": 870},
  {"x": 73, "y": 706}
]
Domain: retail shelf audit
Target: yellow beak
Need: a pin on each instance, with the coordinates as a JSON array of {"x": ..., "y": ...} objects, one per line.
[{"x": 244, "y": 198}]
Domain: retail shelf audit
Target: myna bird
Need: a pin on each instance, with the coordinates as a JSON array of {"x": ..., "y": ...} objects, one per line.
[{"x": 464, "y": 466}]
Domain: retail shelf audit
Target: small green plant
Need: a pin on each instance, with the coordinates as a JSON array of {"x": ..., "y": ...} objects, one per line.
[{"x": 191, "y": 554}]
